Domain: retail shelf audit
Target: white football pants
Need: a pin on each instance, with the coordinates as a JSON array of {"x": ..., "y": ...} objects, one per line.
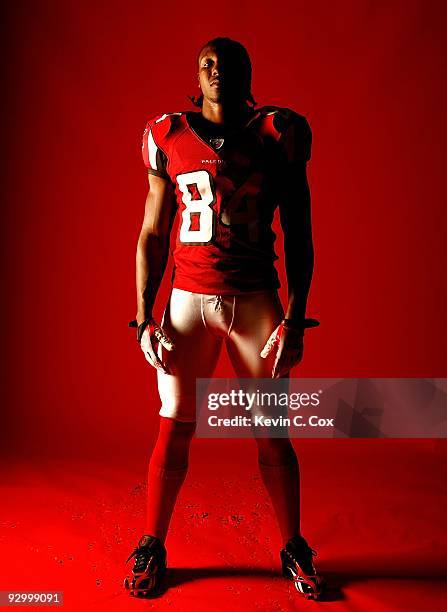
[{"x": 197, "y": 324}]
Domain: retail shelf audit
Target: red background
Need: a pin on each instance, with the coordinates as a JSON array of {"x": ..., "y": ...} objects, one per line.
[{"x": 83, "y": 78}]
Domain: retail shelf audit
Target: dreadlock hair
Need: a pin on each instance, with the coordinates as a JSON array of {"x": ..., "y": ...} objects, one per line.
[{"x": 236, "y": 50}]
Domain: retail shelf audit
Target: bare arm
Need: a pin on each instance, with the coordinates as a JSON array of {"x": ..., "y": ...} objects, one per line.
[
  {"x": 295, "y": 218},
  {"x": 153, "y": 244},
  {"x": 295, "y": 215}
]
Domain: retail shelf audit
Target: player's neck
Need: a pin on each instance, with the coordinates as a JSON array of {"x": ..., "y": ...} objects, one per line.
[{"x": 225, "y": 114}]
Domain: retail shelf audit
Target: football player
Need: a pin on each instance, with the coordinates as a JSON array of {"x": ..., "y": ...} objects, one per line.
[{"x": 223, "y": 169}]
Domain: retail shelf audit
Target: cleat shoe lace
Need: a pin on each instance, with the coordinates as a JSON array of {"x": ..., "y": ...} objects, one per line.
[{"x": 142, "y": 558}]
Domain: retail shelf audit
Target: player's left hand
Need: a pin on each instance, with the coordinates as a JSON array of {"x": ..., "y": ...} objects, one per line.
[{"x": 289, "y": 345}]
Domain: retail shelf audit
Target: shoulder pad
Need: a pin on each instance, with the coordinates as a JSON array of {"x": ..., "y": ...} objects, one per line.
[
  {"x": 285, "y": 117},
  {"x": 167, "y": 117},
  {"x": 162, "y": 126},
  {"x": 291, "y": 129}
]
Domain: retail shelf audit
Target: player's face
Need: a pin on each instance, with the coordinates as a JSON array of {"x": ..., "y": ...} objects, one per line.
[
  {"x": 211, "y": 74},
  {"x": 220, "y": 76}
]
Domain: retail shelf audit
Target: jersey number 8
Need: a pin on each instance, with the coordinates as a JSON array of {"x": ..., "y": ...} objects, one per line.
[{"x": 196, "y": 207}]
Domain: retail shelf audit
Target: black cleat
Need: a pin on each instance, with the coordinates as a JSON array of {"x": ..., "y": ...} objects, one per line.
[
  {"x": 297, "y": 566},
  {"x": 149, "y": 567}
]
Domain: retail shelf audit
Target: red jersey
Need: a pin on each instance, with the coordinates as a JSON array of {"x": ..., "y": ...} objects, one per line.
[{"x": 227, "y": 190}]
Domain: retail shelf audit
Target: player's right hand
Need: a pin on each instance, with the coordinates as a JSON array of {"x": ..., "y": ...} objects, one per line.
[{"x": 149, "y": 334}]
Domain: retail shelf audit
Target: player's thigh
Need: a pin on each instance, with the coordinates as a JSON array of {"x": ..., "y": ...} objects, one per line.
[
  {"x": 256, "y": 317},
  {"x": 195, "y": 355}
]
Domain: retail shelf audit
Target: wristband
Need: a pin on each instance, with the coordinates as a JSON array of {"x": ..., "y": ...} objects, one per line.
[{"x": 306, "y": 323}]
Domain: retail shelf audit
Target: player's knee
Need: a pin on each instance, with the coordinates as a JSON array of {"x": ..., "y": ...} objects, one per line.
[{"x": 178, "y": 408}]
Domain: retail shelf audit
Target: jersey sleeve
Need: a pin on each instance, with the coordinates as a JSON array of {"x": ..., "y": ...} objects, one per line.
[
  {"x": 154, "y": 157},
  {"x": 296, "y": 136}
]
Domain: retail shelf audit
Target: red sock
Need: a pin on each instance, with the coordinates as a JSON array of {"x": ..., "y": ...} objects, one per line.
[
  {"x": 280, "y": 474},
  {"x": 168, "y": 467}
]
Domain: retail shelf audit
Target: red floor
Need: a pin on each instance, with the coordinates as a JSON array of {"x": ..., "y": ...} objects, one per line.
[{"x": 374, "y": 510}]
